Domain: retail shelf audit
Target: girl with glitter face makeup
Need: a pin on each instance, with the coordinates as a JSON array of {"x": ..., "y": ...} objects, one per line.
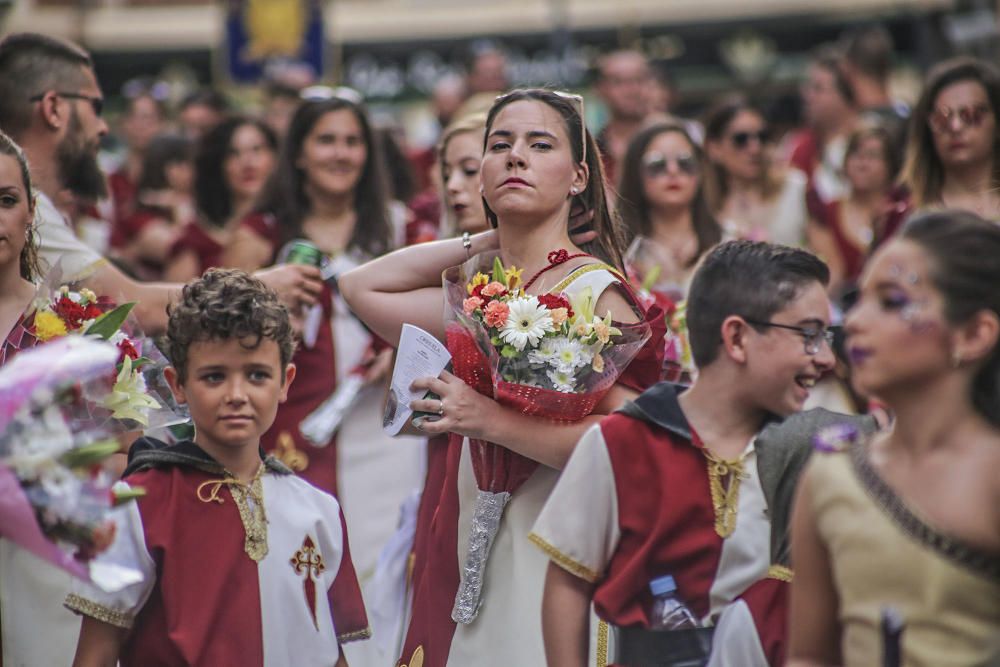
[{"x": 909, "y": 519}]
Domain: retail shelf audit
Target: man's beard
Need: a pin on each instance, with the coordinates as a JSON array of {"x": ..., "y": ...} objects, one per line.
[{"x": 78, "y": 169}]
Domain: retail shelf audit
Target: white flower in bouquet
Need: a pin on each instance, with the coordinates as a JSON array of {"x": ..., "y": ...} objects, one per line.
[
  {"x": 562, "y": 381},
  {"x": 570, "y": 354},
  {"x": 527, "y": 323},
  {"x": 44, "y": 440},
  {"x": 544, "y": 353}
]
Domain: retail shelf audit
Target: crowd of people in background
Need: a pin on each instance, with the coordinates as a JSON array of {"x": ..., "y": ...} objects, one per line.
[{"x": 682, "y": 216}]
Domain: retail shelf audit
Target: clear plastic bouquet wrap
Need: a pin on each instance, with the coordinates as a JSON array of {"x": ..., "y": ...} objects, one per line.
[
  {"x": 646, "y": 263},
  {"x": 136, "y": 395},
  {"x": 548, "y": 355},
  {"x": 55, "y": 497}
]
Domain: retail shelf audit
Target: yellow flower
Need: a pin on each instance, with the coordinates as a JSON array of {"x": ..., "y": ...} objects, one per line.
[
  {"x": 88, "y": 295},
  {"x": 513, "y": 276},
  {"x": 478, "y": 279},
  {"x": 48, "y": 325}
]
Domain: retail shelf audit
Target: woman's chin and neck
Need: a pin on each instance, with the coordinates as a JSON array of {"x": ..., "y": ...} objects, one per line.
[{"x": 526, "y": 239}]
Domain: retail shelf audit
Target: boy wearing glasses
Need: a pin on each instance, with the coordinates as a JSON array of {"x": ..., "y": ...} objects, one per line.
[{"x": 698, "y": 485}]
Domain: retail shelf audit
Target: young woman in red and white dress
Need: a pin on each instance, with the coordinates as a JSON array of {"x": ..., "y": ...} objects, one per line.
[
  {"x": 327, "y": 189},
  {"x": 231, "y": 165},
  {"x": 844, "y": 229},
  {"x": 32, "y": 590},
  {"x": 538, "y": 162}
]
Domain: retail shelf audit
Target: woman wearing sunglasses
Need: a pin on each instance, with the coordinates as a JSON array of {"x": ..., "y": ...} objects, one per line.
[
  {"x": 539, "y": 162},
  {"x": 953, "y": 144},
  {"x": 749, "y": 196},
  {"x": 661, "y": 199}
]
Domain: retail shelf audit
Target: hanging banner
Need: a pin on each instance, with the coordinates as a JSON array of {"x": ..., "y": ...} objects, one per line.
[{"x": 265, "y": 33}]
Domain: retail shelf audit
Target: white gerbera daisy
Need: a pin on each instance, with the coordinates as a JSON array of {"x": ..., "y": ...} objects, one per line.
[
  {"x": 570, "y": 354},
  {"x": 544, "y": 353},
  {"x": 527, "y": 323},
  {"x": 562, "y": 381}
]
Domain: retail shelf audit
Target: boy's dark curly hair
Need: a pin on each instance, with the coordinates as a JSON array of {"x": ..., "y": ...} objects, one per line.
[{"x": 224, "y": 304}]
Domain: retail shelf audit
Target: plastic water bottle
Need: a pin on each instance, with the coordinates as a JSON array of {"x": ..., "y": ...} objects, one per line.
[{"x": 669, "y": 612}]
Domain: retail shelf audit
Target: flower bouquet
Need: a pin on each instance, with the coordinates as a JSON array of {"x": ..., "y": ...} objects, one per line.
[
  {"x": 645, "y": 264},
  {"x": 55, "y": 497},
  {"x": 548, "y": 355},
  {"x": 130, "y": 403}
]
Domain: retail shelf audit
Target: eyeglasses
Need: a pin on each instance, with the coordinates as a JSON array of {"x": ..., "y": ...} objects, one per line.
[
  {"x": 943, "y": 119},
  {"x": 742, "y": 139},
  {"x": 96, "y": 103},
  {"x": 812, "y": 337},
  {"x": 573, "y": 99},
  {"x": 658, "y": 164}
]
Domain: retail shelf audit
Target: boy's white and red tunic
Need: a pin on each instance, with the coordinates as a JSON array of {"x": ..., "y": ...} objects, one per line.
[
  {"x": 213, "y": 592},
  {"x": 634, "y": 503}
]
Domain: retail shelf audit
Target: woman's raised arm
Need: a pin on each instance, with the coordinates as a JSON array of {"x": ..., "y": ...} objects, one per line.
[{"x": 405, "y": 286}]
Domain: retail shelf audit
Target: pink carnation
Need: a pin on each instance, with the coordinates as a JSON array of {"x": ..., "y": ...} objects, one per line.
[
  {"x": 496, "y": 313},
  {"x": 472, "y": 304},
  {"x": 494, "y": 289}
]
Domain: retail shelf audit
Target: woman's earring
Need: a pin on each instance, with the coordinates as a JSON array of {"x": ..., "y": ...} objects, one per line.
[{"x": 573, "y": 191}]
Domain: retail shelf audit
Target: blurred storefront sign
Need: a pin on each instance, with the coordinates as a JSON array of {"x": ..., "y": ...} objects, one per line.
[{"x": 266, "y": 33}]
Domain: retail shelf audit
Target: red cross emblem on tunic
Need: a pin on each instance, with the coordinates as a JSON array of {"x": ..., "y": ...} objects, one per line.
[{"x": 308, "y": 561}]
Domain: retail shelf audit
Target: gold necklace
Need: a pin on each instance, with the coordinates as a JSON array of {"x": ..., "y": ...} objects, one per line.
[{"x": 725, "y": 499}]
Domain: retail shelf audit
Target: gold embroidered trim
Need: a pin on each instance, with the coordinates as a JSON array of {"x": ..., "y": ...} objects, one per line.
[
  {"x": 587, "y": 268},
  {"x": 780, "y": 572},
  {"x": 602, "y": 644},
  {"x": 286, "y": 452},
  {"x": 252, "y": 516},
  {"x": 725, "y": 501},
  {"x": 564, "y": 561},
  {"x": 416, "y": 660},
  {"x": 357, "y": 635},
  {"x": 104, "y": 614}
]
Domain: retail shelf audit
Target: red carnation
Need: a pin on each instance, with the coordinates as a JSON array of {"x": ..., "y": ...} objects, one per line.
[
  {"x": 92, "y": 311},
  {"x": 127, "y": 350},
  {"x": 478, "y": 291},
  {"x": 72, "y": 313},
  {"x": 553, "y": 301}
]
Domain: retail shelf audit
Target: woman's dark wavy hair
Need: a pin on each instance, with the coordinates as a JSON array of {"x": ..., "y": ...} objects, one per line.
[
  {"x": 226, "y": 304},
  {"x": 633, "y": 204},
  {"x": 965, "y": 267},
  {"x": 284, "y": 194},
  {"x": 212, "y": 193},
  {"x": 28, "y": 261},
  {"x": 610, "y": 242},
  {"x": 163, "y": 150},
  {"x": 923, "y": 173}
]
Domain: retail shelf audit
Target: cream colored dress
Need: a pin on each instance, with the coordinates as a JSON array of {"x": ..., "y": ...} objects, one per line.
[
  {"x": 882, "y": 554},
  {"x": 508, "y": 629}
]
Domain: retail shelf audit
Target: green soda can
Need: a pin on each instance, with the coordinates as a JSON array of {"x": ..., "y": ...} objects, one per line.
[{"x": 300, "y": 251}]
